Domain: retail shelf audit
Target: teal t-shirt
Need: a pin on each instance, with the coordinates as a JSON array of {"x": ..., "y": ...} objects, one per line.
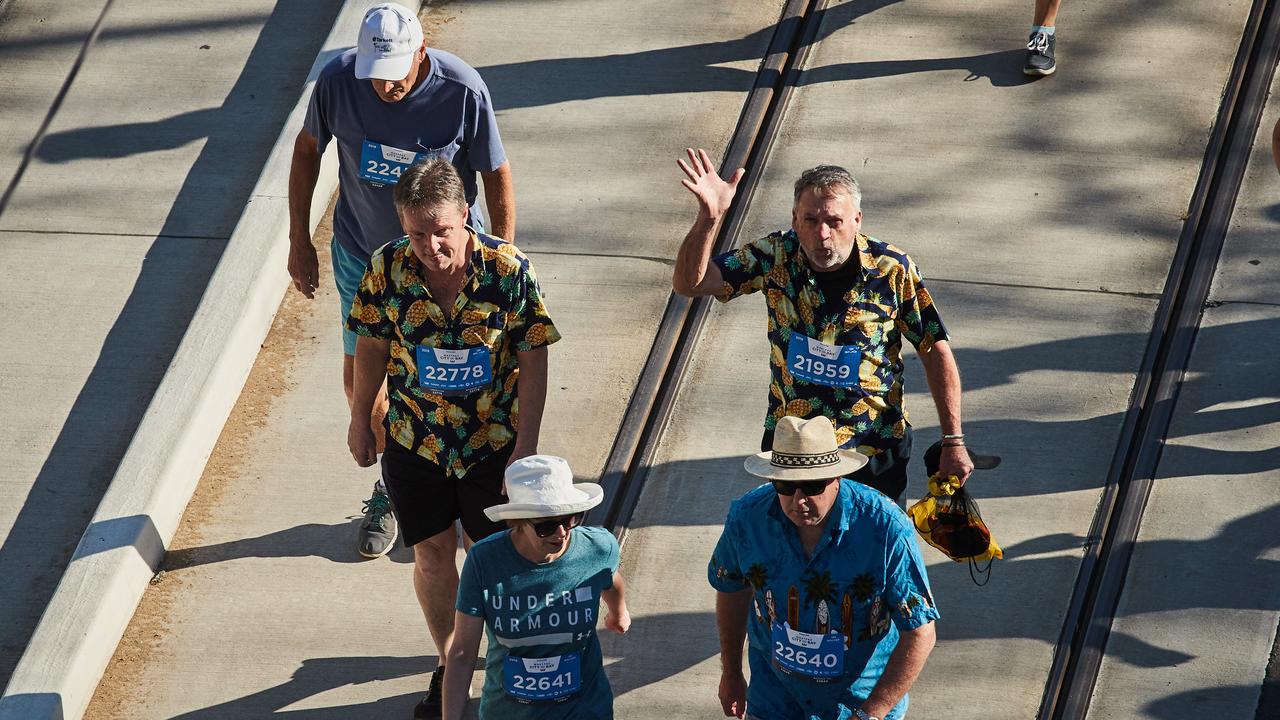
[{"x": 541, "y": 611}]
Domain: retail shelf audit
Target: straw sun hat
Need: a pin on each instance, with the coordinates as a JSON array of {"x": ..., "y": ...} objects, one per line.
[
  {"x": 542, "y": 486},
  {"x": 804, "y": 450}
]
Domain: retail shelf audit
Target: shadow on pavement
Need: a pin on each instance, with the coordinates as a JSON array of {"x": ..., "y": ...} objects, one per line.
[
  {"x": 140, "y": 345},
  {"x": 319, "y": 675}
]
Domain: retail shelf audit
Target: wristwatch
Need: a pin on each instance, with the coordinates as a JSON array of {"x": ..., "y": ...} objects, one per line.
[{"x": 862, "y": 715}]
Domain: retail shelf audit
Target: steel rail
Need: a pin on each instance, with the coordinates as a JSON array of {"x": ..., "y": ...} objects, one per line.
[
  {"x": 632, "y": 454},
  {"x": 1111, "y": 540}
]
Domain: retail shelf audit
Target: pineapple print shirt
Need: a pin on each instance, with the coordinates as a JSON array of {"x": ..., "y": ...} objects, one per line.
[
  {"x": 500, "y": 307},
  {"x": 885, "y": 302},
  {"x": 866, "y": 581}
]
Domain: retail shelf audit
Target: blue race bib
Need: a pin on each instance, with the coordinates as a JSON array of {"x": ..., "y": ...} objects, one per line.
[
  {"x": 454, "y": 372},
  {"x": 816, "y": 657},
  {"x": 383, "y": 164},
  {"x": 817, "y": 362},
  {"x": 552, "y": 679}
]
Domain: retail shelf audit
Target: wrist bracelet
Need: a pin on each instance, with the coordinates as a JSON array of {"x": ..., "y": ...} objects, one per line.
[
  {"x": 953, "y": 444},
  {"x": 957, "y": 436}
]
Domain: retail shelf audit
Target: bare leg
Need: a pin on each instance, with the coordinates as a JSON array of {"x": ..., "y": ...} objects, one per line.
[
  {"x": 435, "y": 582},
  {"x": 379, "y": 406},
  {"x": 1046, "y": 12}
]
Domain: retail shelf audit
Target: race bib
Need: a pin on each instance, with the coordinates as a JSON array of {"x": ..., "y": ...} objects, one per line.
[
  {"x": 817, "y": 657},
  {"x": 550, "y": 679},
  {"x": 817, "y": 362},
  {"x": 454, "y": 372},
  {"x": 383, "y": 164}
]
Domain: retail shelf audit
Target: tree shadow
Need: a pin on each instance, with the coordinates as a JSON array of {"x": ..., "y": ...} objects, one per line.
[{"x": 142, "y": 341}]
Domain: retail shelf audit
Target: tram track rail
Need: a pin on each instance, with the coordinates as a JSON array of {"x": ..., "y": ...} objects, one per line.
[
  {"x": 1110, "y": 543},
  {"x": 649, "y": 409}
]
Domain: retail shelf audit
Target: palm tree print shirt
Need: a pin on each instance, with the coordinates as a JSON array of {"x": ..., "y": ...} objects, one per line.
[
  {"x": 886, "y": 303},
  {"x": 499, "y": 307},
  {"x": 866, "y": 582}
]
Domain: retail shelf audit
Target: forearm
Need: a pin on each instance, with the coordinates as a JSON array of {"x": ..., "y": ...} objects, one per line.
[
  {"x": 731, "y": 622},
  {"x": 304, "y": 171},
  {"x": 458, "y": 665},
  {"x": 901, "y": 671},
  {"x": 531, "y": 387},
  {"x": 370, "y": 371},
  {"x": 694, "y": 257},
  {"x": 500, "y": 196},
  {"x": 943, "y": 377},
  {"x": 615, "y": 597}
]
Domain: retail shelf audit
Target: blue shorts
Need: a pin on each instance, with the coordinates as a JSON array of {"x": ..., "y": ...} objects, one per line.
[{"x": 348, "y": 271}]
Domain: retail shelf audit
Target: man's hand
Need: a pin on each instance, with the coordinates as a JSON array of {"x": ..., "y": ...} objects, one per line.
[
  {"x": 733, "y": 694},
  {"x": 714, "y": 194},
  {"x": 362, "y": 443},
  {"x": 618, "y": 622},
  {"x": 954, "y": 462},
  {"x": 304, "y": 266}
]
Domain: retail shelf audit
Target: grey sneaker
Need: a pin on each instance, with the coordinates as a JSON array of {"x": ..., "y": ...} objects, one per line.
[
  {"x": 1040, "y": 60},
  {"x": 378, "y": 529}
]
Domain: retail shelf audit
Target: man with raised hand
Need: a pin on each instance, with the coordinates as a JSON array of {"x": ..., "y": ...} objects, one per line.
[
  {"x": 839, "y": 304},
  {"x": 822, "y": 579},
  {"x": 389, "y": 103},
  {"x": 451, "y": 321}
]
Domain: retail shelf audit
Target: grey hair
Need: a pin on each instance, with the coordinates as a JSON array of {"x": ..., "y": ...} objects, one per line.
[
  {"x": 829, "y": 179},
  {"x": 430, "y": 185}
]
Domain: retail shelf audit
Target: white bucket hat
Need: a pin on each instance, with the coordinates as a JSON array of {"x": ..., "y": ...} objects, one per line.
[
  {"x": 542, "y": 486},
  {"x": 389, "y": 36},
  {"x": 804, "y": 450}
]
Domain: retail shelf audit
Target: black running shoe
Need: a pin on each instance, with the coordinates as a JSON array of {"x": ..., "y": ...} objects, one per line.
[
  {"x": 1040, "y": 55},
  {"x": 429, "y": 707}
]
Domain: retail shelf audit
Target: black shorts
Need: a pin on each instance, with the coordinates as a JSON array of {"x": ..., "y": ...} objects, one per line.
[
  {"x": 426, "y": 502},
  {"x": 886, "y": 472}
]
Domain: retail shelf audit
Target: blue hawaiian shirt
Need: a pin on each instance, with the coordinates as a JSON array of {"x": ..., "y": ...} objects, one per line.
[{"x": 865, "y": 583}]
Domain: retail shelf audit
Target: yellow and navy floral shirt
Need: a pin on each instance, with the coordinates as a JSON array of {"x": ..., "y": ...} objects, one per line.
[
  {"x": 885, "y": 302},
  {"x": 499, "y": 307}
]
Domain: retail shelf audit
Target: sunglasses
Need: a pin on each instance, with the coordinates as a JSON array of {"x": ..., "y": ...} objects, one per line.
[
  {"x": 548, "y": 527},
  {"x": 808, "y": 487}
]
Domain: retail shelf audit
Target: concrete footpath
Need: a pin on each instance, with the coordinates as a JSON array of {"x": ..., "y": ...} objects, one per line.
[
  {"x": 264, "y": 606},
  {"x": 112, "y": 236},
  {"x": 1198, "y": 617}
]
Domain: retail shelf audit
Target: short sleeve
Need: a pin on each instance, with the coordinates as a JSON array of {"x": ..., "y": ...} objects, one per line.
[
  {"x": 744, "y": 269},
  {"x": 918, "y": 318},
  {"x": 906, "y": 591},
  {"x": 484, "y": 144},
  {"x": 368, "y": 313},
  {"x": 724, "y": 571},
  {"x": 317, "y": 122},
  {"x": 470, "y": 589},
  {"x": 530, "y": 326}
]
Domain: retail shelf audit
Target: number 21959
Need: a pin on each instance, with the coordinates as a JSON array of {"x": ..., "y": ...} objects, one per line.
[{"x": 818, "y": 367}]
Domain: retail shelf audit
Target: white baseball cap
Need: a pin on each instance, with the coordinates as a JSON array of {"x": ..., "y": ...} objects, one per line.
[{"x": 389, "y": 36}]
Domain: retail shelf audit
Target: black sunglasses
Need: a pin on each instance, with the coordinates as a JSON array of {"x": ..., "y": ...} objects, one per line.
[
  {"x": 808, "y": 487},
  {"x": 548, "y": 527}
]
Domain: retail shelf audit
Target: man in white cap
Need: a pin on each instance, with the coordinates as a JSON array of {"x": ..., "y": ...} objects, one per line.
[
  {"x": 823, "y": 577},
  {"x": 537, "y": 587},
  {"x": 389, "y": 103}
]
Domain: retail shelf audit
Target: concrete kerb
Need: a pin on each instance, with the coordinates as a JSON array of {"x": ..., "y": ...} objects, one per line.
[{"x": 125, "y": 541}]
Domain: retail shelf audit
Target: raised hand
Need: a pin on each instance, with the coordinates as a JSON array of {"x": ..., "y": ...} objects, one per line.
[{"x": 713, "y": 192}]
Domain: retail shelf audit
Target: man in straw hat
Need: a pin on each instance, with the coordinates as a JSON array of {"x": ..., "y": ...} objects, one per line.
[
  {"x": 537, "y": 587},
  {"x": 840, "y": 304},
  {"x": 822, "y": 578}
]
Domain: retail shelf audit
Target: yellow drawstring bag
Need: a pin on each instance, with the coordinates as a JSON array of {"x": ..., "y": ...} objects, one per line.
[{"x": 948, "y": 519}]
